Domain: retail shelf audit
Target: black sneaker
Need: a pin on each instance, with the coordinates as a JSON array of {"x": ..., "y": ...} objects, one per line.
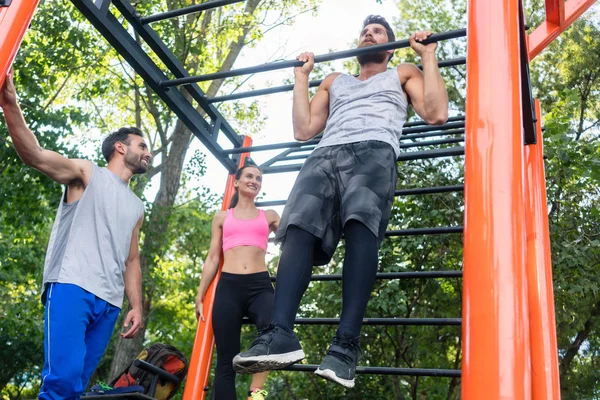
[
  {"x": 274, "y": 348},
  {"x": 339, "y": 365}
]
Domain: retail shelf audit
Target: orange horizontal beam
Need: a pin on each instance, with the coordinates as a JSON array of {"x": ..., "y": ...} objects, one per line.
[
  {"x": 14, "y": 21},
  {"x": 549, "y": 30}
]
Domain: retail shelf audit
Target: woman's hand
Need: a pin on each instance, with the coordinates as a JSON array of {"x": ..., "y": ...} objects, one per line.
[{"x": 199, "y": 309}]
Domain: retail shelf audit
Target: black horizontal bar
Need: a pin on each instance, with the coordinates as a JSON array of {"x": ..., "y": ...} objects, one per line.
[
  {"x": 315, "y": 83},
  {"x": 430, "y": 128},
  {"x": 259, "y": 92},
  {"x": 419, "y": 231},
  {"x": 442, "y": 373},
  {"x": 423, "y": 123},
  {"x": 273, "y": 146},
  {"x": 385, "y": 321},
  {"x": 408, "y": 156},
  {"x": 286, "y": 157},
  {"x": 433, "y": 134},
  {"x": 188, "y": 10},
  {"x": 414, "y": 132},
  {"x": 429, "y": 190},
  {"x": 402, "y": 192},
  {"x": 318, "y": 59},
  {"x": 432, "y": 142},
  {"x": 425, "y": 231},
  {"x": 379, "y": 321},
  {"x": 390, "y": 275},
  {"x": 427, "y": 154}
]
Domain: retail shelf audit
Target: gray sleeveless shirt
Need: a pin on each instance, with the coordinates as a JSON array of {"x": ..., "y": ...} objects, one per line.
[
  {"x": 90, "y": 239},
  {"x": 374, "y": 109}
]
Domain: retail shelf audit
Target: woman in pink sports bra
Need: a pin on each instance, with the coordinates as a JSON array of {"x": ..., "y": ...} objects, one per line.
[{"x": 244, "y": 289}]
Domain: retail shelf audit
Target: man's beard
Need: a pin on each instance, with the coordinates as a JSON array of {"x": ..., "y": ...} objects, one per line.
[
  {"x": 134, "y": 162},
  {"x": 377, "y": 58}
]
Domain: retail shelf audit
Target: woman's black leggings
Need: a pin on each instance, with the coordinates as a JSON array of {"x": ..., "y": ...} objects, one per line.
[{"x": 237, "y": 296}]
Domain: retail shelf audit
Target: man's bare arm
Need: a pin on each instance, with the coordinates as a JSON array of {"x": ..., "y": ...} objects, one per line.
[
  {"x": 133, "y": 284},
  {"x": 309, "y": 117},
  {"x": 50, "y": 163},
  {"x": 426, "y": 89}
]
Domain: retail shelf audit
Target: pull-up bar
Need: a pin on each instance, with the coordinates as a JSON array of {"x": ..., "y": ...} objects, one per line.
[
  {"x": 287, "y": 88},
  {"x": 318, "y": 59},
  {"x": 188, "y": 10}
]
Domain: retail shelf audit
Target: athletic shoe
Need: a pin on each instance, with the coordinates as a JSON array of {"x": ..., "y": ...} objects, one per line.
[
  {"x": 339, "y": 365},
  {"x": 274, "y": 348},
  {"x": 257, "y": 394}
]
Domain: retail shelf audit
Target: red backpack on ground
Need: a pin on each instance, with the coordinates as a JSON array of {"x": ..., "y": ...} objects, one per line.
[{"x": 162, "y": 356}]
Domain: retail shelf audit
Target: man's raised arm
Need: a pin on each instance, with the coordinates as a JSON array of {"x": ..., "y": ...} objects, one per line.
[
  {"x": 426, "y": 89},
  {"x": 50, "y": 163},
  {"x": 309, "y": 117}
]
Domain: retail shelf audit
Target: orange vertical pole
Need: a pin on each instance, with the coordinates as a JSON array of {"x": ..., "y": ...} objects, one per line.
[
  {"x": 200, "y": 361},
  {"x": 14, "y": 21},
  {"x": 495, "y": 327},
  {"x": 544, "y": 349}
]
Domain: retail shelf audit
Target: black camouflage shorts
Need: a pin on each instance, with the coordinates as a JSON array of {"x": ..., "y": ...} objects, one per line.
[{"x": 337, "y": 184}]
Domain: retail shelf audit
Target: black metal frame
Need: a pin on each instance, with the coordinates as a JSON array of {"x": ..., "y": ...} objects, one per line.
[
  {"x": 529, "y": 117},
  {"x": 163, "y": 83}
]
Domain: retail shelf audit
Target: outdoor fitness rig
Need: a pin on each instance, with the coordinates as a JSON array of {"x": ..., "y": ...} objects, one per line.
[{"x": 508, "y": 326}]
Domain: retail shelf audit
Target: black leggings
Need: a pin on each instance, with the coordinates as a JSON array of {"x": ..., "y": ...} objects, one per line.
[
  {"x": 358, "y": 276},
  {"x": 237, "y": 296}
]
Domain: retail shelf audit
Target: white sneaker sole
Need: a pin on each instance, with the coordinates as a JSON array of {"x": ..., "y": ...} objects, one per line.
[
  {"x": 330, "y": 375},
  {"x": 253, "y": 365}
]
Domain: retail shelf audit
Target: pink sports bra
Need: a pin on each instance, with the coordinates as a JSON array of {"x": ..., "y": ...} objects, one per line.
[{"x": 245, "y": 232}]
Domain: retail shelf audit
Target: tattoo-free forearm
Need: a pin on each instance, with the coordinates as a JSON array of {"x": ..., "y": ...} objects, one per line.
[
  {"x": 209, "y": 271},
  {"x": 301, "y": 106},
  {"x": 435, "y": 97},
  {"x": 133, "y": 284},
  {"x": 23, "y": 139}
]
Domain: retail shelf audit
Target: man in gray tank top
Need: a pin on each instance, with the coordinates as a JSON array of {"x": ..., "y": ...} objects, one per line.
[
  {"x": 346, "y": 186},
  {"x": 93, "y": 253}
]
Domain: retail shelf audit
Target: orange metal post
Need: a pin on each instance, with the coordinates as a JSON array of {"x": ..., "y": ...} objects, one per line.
[
  {"x": 495, "y": 326},
  {"x": 544, "y": 349},
  {"x": 550, "y": 29},
  {"x": 14, "y": 21},
  {"x": 200, "y": 360}
]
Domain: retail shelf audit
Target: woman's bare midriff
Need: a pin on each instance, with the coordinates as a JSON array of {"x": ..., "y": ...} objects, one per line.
[{"x": 244, "y": 260}]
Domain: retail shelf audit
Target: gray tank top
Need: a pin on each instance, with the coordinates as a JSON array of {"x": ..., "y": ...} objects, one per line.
[
  {"x": 90, "y": 239},
  {"x": 374, "y": 109}
]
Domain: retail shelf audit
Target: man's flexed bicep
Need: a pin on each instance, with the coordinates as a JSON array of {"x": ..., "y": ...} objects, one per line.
[
  {"x": 50, "y": 163},
  {"x": 427, "y": 94}
]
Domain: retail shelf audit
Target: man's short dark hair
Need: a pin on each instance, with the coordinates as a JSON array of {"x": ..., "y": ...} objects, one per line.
[
  {"x": 378, "y": 19},
  {"x": 122, "y": 135}
]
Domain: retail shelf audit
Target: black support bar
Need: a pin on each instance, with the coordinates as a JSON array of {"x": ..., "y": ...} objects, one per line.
[
  {"x": 188, "y": 10},
  {"x": 428, "y": 154},
  {"x": 402, "y": 192},
  {"x": 318, "y": 59},
  {"x": 284, "y": 156},
  {"x": 379, "y": 321},
  {"x": 424, "y": 231},
  {"x": 114, "y": 32},
  {"x": 409, "y": 156},
  {"x": 412, "y": 133},
  {"x": 315, "y": 83},
  {"x": 446, "y": 373},
  {"x": 390, "y": 275},
  {"x": 178, "y": 70}
]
